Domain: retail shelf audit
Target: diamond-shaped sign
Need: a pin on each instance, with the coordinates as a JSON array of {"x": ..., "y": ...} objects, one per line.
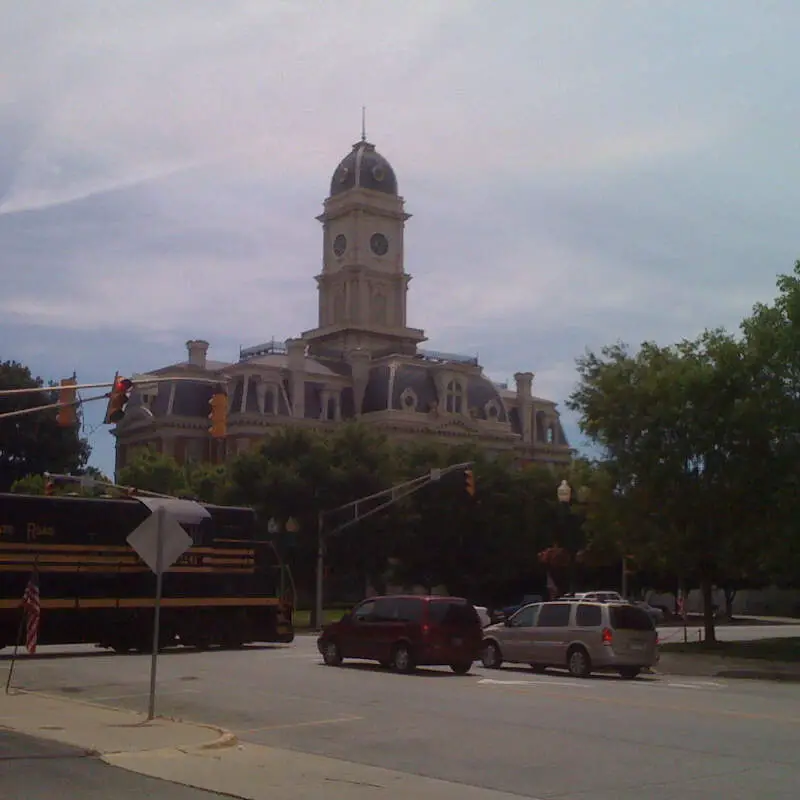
[{"x": 174, "y": 541}]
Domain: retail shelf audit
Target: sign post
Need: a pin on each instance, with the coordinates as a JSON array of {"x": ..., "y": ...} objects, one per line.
[
  {"x": 160, "y": 514},
  {"x": 160, "y": 541}
]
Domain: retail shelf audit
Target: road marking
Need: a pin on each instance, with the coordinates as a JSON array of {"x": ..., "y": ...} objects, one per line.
[
  {"x": 685, "y": 686},
  {"x": 573, "y": 684},
  {"x": 312, "y": 723}
]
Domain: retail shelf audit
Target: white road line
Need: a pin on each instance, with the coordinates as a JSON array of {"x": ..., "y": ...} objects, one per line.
[{"x": 573, "y": 684}]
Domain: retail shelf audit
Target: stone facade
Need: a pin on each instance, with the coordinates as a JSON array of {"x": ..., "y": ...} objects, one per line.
[{"x": 362, "y": 361}]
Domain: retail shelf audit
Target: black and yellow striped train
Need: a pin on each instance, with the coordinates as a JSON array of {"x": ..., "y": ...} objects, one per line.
[{"x": 228, "y": 589}]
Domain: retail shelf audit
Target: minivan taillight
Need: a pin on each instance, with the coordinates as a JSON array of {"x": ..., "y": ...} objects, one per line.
[{"x": 607, "y": 636}]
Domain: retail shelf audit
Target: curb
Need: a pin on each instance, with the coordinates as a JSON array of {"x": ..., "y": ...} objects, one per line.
[
  {"x": 758, "y": 675},
  {"x": 225, "y": 738}
]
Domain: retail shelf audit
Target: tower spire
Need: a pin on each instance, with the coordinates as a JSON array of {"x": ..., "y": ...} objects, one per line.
[{"x": 363, "y": 123}]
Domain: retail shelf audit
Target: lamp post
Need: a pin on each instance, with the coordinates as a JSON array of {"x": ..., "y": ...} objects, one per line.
[{"x": 564, "y": 495}]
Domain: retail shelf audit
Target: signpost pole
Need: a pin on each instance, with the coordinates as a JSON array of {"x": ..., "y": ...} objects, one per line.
[
  {"x": 160, "y": 514},
  {"x": 318, "y": 602}
]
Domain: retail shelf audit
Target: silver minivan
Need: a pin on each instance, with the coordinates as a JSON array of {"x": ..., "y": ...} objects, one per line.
[{"x": 583, "y": 637}]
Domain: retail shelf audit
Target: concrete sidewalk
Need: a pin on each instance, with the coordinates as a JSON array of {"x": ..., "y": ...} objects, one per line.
[{"x": 206, "y": 757}]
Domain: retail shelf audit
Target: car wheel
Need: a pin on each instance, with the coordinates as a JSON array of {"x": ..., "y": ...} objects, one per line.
[
  {"x": 402, "y": 660},
  {"x": 461, "y": 668},
  {"x": 492, "y": 658},
  {"x": 578, "y": 663},
  {"x": 331, "y": 654},
  {"x": 629, "y": 673}
]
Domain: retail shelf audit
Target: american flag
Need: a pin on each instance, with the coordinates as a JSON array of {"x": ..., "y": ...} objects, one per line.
[{"x": 32, "y": 608}]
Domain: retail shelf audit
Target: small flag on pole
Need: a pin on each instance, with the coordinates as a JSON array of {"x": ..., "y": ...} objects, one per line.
[{"x": 32, "y": 607}]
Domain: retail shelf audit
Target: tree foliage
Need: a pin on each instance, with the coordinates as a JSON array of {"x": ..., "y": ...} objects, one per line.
[
  {"x": 700, "y": 446},
  {"x": 34, "y": 443}
]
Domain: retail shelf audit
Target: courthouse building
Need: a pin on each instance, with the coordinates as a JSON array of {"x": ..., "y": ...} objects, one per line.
[{"x": 362, "y": 361}]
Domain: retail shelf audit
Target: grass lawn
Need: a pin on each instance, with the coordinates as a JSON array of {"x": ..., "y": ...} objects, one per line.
[
  {"x": 302, "y": 619},
  {"x": 787, "y": 649}
]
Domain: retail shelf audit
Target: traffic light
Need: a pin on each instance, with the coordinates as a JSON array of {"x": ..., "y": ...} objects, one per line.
[
  {"x": 219, "y": 413},
  {"x": 118, "y": 398},
  {"x": 469, "y": 479},
  {"x": 67, "y": 394}
]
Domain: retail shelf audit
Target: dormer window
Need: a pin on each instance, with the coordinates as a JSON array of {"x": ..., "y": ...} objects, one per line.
[
  {"x": 492, "y": 410},
  {"x": 409, "y": 400},
  {"x": 551, "y": 435},
  {"x": 455, "y": 398}
]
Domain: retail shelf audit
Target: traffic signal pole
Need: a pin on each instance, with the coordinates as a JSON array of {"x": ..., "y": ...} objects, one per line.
[
  {"x": 389, "y": 497},
  {"x": 134, "y": 383}
]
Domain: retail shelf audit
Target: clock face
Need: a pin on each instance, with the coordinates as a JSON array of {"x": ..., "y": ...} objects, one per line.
[
  {"x": 379, "y": 244},
  {"x": 340, "y": 244}
]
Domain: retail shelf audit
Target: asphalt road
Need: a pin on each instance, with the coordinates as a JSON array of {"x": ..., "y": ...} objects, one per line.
[
  {"x": 35, "y": 769},
  {"x": 539, "y": 736}
]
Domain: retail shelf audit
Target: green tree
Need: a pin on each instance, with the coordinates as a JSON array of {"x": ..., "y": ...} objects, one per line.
[
  {"x": 477, "y": 546},
  {"x": 681, "y": 430},
  {"x": 772, "y": 339},
  {"x": 154, "y": 472},
  {"x": 34, "y": 443},
  {"x": 209, "y": 483}
]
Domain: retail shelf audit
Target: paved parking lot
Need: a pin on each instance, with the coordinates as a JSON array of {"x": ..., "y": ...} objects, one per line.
[{"x": 534, "y": 735}]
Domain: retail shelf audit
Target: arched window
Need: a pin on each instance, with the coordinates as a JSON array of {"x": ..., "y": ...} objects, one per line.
[
  {"x": 551, "y": 435},
  {"x": 455, "y": 398}
]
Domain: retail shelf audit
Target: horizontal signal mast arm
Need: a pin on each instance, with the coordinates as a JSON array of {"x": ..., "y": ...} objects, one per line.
[
  {"x": 137, "y": 382},
  {"x": 23, "y": 411}
]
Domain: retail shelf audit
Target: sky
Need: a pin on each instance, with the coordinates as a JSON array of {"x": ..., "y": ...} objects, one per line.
[{"x": 579, "y": 173}]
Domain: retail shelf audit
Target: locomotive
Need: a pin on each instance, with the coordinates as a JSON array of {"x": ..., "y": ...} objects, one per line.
[{"x": 228, "y": 589}]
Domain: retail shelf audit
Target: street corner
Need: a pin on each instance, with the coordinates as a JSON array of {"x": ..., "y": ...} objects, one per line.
[{"x": 102, "y": 730}]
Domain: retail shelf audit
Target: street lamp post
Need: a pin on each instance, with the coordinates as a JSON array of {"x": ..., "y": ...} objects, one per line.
[{"x": 564, "y": 494}]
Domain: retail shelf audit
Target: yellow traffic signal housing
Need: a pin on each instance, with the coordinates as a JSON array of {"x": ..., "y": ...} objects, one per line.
[
  {"x": 219, "y": 414},
  {"x": 118, "y": 398},
  {"x": 469, "y": 479},
  {"x": 67, "y": 397}
]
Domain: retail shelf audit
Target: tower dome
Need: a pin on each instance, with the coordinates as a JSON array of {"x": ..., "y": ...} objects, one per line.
[{"x": 366, "y": 168}]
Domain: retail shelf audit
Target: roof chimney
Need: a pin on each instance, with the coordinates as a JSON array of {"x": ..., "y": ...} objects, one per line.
[{"x": 197, "y": 349}]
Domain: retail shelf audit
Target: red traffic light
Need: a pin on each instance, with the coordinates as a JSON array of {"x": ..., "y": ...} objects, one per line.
[{"x": 118, "y": 399}]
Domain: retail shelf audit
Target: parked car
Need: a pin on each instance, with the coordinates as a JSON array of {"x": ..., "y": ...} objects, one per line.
[
  {"x": 584, "y": 637},
  {"x": 406, "y": 631},
  {"x": 604, "y": 596},
  {"x": 654, "y": 612},
  {"x": 483, "y": 616}
]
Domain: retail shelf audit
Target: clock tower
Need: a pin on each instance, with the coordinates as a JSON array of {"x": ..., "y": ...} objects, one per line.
[{"x": 363, "y": 284}]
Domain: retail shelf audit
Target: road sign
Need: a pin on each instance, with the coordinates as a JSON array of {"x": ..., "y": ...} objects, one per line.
[
  {"x": 436, "y": 473},
  {"x": 174, "y": 539},
  {"x": 160, "y": 541}
]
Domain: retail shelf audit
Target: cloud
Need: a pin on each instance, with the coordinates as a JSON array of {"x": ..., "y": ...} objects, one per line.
[{"x": 577, "y": 175}]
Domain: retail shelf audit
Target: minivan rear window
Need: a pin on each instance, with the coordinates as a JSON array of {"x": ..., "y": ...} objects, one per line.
[
  {"x": 448, "y": 612},
  {"x": 630, "y": 618}
]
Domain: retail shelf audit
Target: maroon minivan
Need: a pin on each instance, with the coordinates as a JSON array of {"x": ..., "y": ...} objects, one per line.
[{"x": 406, "y": 631}]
